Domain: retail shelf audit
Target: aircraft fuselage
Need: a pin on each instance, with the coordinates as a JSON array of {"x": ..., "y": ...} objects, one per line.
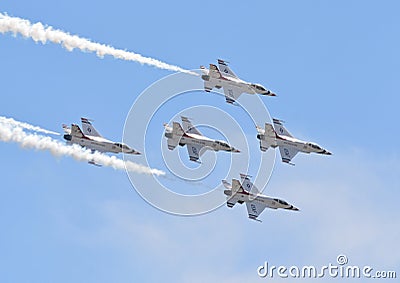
[
  {"x": 99, "y": 144},
  {"x": 245, "y": 87},
  {"x": 269, "y": 202},
  {"x": 193, "y": 139},
  {"x": 302, "y": 146}
]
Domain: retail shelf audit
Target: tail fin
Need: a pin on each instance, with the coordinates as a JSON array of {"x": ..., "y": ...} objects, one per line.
[
  {"x": 225, "y": 68},
  {"x": 280, "y": 129},
  {"x": 177, "y": 130},
  {"x": 88, "y": 128},
  {"x": 267, "y": 137},
  {"x": 236, "y": 186},
  {"x": 76, "y": 131},
  {"x": 208, "y": 86}
]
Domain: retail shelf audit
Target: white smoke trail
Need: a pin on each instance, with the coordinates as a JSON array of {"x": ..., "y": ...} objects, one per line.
[
  {"x": 13, "y": 133},
  {"x": 12, "y": 122},
  {"x": 41, "y": 33}
]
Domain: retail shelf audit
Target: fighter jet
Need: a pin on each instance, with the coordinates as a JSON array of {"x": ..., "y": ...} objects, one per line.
[
  {"x": 288, "y": 145},
  {"x": 229, "y": 81},
  {"x": 90, "y": 138},
  {"x": 196, "y": 143},
  {"x": 245, "y": 191}
]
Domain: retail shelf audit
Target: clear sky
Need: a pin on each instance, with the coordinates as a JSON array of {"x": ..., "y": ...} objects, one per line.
[{"x": 335, "y": 68}]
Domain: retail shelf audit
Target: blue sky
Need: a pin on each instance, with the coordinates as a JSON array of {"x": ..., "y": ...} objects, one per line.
[{"x": 334, "y": 66}]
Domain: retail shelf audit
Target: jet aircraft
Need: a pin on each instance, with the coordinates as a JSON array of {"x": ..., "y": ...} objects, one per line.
[
  {"x": 196, "y": 143},
  {"x": 90, "y": 138},
  {"x": 246, "y": 191},
  {"x": 278, "y": 136},
  {"x": 233, "y": 86}
]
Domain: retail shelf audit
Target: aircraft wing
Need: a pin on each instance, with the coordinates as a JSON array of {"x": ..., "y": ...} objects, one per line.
[
  {"x": 287, "y": 153},
  {"x": 248, "y": 185},
  {"x": 188, "y": 127},
  {"x": 232, "y": 93},
  {"x": 280, "y": 129},
  {"x": 223, "y": 66},
  {"x": 194, "y": 151},
  {"x": 88, "y": 128},
  {"x": 254, "y": 209},
  {"x": 94, "y": 163}
]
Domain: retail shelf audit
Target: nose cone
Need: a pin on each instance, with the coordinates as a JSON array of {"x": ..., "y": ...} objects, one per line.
[
  {"x": 326, "y": 152},
  {"x": 132, "y": 151},
  {"x": 269, "y": 93},
  {"x": 293, "y": 208},
  {"x": 235, "y": 150}
]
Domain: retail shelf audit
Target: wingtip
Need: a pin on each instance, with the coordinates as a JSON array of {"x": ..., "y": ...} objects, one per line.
[
  {"x": 221, "y": 61},
  {"x": 186, "y": 119},
  {"x": 245, "y": 175},
  {"x": 84, "y": 119}
]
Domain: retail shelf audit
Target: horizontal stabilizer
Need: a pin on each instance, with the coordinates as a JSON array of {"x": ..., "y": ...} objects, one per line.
[
  {"x": 227, "y": 184},
  {"x": 67, "y": 130}
]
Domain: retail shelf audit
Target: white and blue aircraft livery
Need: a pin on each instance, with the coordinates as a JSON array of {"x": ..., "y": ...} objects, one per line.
[
  {"x": 196, "y": 143},
  {"x": 233, "y": 86},
  {"x": 277, "y": 135},
  {"x": 90, "y": 138},
  {"x": 246, "y": 191}
]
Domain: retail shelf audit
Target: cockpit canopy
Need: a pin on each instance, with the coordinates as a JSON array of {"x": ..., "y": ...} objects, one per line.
[
  {"x": 222, "y": 143},
  {"x": 259, "y": 87},
  {"x": 121, "y": 145},
  {"x": 281, "y": 201},
  {"x": 314, "y": 145}
]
